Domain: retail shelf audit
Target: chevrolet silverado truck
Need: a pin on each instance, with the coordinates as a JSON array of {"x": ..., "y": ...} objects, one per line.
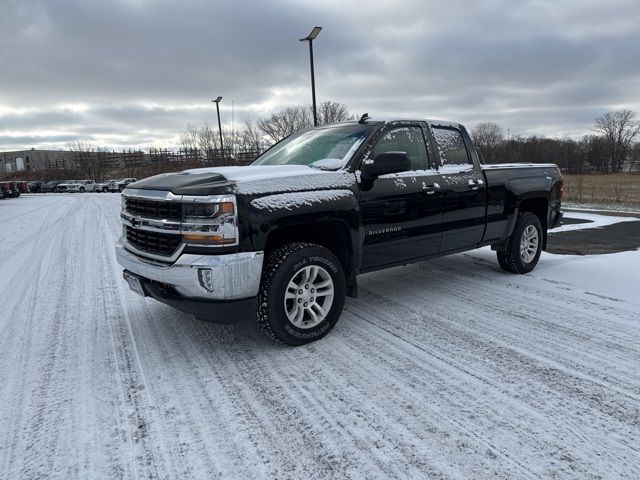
[{"x": 284, "y": 239}]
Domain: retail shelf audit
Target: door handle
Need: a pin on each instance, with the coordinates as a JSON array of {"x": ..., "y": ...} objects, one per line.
[
  {"x": 475, "y": 184},
  {"x": 430, "y": 189}
]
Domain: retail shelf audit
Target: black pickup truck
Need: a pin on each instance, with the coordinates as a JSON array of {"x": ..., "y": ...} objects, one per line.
[{"x": 285, "y": 238}]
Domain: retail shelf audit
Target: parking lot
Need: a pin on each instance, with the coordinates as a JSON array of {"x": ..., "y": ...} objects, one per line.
[{"x": 447, "y": 368}]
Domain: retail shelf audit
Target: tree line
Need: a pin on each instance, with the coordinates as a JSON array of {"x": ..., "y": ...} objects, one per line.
[
  {"x": 259, "y": 135},
  {"x": 613, "y": 146}
]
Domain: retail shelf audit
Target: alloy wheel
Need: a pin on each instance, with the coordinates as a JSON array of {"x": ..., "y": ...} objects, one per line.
[
  {"x": 309, "y": 296},
  {"x": 529, "y": 244}
]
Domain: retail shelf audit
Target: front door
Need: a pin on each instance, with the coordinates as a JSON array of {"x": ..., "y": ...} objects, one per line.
[{"x": 401, "y": 211}]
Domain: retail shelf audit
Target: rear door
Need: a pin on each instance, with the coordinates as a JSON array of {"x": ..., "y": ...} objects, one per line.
[
  {"x": 401, "y": 212},
  {"x": 463, "y": 187}
]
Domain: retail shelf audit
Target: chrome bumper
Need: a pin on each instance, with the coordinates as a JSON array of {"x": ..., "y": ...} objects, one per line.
[{"x": 233, "y": 276}]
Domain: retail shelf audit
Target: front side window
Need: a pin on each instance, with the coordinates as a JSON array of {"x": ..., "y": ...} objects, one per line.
[
  {"x": 327, "y": 148},
  {"x": 404, "y": 139},
  {"x": 451, "y": 146}
]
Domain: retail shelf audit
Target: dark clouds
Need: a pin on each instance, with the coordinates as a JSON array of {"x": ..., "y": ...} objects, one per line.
[{"x": 135, "y": 72}]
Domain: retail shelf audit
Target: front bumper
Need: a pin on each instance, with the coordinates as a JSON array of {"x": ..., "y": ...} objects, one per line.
[
  {"x": 234, "y": 276},
  {"x": 217, "y": 311}
]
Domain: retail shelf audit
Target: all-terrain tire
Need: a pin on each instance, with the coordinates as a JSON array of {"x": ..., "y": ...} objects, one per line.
[
  {"x": 280, "y": 267},
  {"x": 510, "y": 259}
]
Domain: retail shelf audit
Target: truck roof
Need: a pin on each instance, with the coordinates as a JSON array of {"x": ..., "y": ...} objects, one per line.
[{"x": 383, "y": 120}]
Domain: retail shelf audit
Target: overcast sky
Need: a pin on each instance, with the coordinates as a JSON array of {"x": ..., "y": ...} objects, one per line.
[{"x": 136, "y": 72}]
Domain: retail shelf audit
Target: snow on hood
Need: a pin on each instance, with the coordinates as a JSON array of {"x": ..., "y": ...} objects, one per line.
[
  {"x": 250, "y": 180},
  {"x": 271, "y": 179},
  {"x": 258, "y": 172}
]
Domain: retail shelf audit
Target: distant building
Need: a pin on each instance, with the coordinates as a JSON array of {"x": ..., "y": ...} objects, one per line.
[{"x": 34, "y": 160}]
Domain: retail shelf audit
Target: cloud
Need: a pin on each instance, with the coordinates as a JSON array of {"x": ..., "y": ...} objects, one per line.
[{"x": 136, "y": 72}]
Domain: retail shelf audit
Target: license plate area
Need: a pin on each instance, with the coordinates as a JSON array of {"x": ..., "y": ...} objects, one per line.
[{"x": 134, "y": 283}]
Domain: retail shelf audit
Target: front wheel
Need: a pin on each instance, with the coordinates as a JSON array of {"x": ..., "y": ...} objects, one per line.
[
  {"x": 524, "y": 246},
  {"x": 302, "y": 293}
]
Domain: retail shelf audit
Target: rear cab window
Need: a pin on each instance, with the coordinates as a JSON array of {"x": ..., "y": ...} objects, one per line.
[{"x": 452, "y": 151}]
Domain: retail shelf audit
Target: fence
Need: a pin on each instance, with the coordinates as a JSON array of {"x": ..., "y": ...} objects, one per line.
[{"x": 104, "y": 165}]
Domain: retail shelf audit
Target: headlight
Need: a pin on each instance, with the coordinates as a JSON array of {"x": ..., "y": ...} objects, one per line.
[{"x": 210, "y": 221}]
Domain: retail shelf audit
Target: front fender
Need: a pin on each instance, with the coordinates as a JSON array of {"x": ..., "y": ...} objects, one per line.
[{"x": 299, "y": 209}]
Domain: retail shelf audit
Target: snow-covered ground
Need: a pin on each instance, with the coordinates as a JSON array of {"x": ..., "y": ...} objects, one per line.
[
  {"x": 449, "y": 368},
  {"x": 591, "y": 220}
]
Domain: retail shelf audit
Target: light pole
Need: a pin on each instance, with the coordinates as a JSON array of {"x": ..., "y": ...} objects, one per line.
[
  {"x": 217, "y": 102},
  {"x": 310, "y": 38}
]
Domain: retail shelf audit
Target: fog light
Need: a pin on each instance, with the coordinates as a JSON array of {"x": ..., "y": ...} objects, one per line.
[{"x": 206, "y": 278}]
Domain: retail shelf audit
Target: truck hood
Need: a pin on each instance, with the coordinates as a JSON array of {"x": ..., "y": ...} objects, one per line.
[{"x": 251, "y": 180}]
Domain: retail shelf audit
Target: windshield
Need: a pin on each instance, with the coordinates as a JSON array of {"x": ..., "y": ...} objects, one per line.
[{"x": 327, "y": 148}]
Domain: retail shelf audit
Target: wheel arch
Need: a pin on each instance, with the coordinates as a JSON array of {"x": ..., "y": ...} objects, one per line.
[
  {"x": 334, "y": 234},
  {"x": 539, "y": 206}
]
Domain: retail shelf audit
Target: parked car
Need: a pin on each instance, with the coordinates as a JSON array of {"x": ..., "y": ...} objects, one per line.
[
  {"x": 108, "y": 186},
  {"x": 81, "y": 186},
  {"x": 22, "y": 186},
  {"x": 121, "y": 184},
  {"x": 35, "y": 186},
  {"x": 64, "y": 185},
  {"x": 51, "y": 186},
  {"x": 12, "y": 189},
  {"x": 284, "y": 239},
  {"x": 5, "y": 190}
]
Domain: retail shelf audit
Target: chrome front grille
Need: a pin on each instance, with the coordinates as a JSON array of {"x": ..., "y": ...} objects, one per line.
[
  {"x": 162, "y": 210},
  {"x": 165, "y": 244},
  {"x": 152, "y": 224}
]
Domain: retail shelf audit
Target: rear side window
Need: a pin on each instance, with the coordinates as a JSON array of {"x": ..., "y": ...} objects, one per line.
[
  {"x": 404, "y": 139},
  {"x": 451, "y": 146}
]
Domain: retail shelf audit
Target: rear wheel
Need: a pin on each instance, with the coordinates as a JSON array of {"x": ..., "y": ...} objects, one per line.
[
  {"x": 302, "y": 293},
  {"x": 523, "y": 248}
]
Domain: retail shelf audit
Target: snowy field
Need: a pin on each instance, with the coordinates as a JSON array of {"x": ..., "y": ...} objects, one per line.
[{"x": 446, "y": 369}]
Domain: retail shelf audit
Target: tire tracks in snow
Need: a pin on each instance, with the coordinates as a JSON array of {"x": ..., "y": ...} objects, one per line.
[{"x": 512, "y": 367}]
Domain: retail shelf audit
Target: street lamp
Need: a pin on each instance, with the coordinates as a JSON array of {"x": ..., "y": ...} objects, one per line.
[
  {"x": 310, "y": 38},
  {"x": 217, "y": 102}
]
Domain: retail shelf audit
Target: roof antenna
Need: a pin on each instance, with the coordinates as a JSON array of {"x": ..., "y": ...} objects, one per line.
[{"x": 364, "y": 118}]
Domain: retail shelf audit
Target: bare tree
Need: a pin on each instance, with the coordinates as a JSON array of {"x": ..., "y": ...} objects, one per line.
[
  {"x": 189, "y": 138},
  {"x": 489, "y": 137},
  {"x": 286, "y": 121},
  {"x": 87, "y": 161},
  {"x": 208, "y": 139},
  {"x": 332, "y": 112},
  {"x": 298, "y": 117},
  {"x": 251, "y": 138},
  {"x": 619, "y": 129}
]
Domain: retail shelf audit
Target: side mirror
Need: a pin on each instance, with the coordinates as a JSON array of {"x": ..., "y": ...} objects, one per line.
[{"x": 388, "y": 162}]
